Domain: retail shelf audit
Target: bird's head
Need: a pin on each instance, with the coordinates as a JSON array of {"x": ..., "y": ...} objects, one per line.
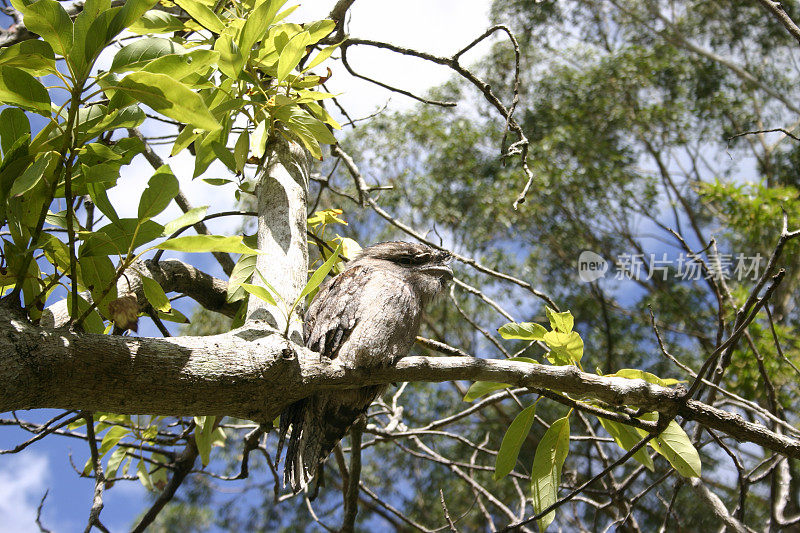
[{"x": 427, "y": 267}]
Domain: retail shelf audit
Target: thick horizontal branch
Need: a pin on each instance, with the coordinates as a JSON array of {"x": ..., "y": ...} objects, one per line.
[{"x": 254, "y": 373}]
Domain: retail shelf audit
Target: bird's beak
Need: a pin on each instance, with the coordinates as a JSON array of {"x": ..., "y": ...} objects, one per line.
[{"x": 443, "y": 271}]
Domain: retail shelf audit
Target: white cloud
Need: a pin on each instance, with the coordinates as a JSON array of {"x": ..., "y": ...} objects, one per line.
[{"x": 22, "y": 484}]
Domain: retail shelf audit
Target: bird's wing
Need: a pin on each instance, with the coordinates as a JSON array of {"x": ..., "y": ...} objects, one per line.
[{"x": 335, "y": 311}]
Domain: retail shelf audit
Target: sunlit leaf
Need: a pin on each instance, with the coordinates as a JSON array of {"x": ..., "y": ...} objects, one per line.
[
  {"x": 546, "y": 472},
  {"x": 189, "y": 218},
  {"x": 626, "y": 438},
  {"x": 155, "y": 295},
  {"x": 19, "y": 88},
  {"x": 512, "y": 442},
  {"x": 207, "y": 243},
  {"x": 529, "y": 331},
  {"x": 161, "y": 189},
  {"x": 561, "y": 322}
]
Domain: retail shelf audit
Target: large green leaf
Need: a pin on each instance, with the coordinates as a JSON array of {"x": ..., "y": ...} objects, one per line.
[
  {"x": 19, "y": 88},
  {"x": 50, "y": 20},
  {"x": 161, "y": 189},
  {"x": 258, "y": 21},
  {"x": 142, "y": 51},
  {"x": 132, "y": 11},
  {"x": 626, "y": 438},
  {"x": 260, "y": 292},
  {"x": 675, "y": 446},
  {"x": 90, "y": 31},
  {"x": 120, "y": 237},
  {"x": 308, "y": 128},
  {"x": 157, "y": 22},
  {"x": 292, "y": 53},
  {"x": 189, "y": 218},
  {"x": 207, "y": 243},
  {"x": 482, "y": 388},
  {"x": 242, "y": 272},
  {"x": 14, "y": 125},
  {"x": 528, "y": 331},
  {"x": 34, "y": 56},
  {"x": 169, "y": 97},
  {"x": 202, "y": 14},
  {"x": 512, "y": 442},
  {"x": 546, "y": 472},
  {"x": 34, "y": 174},
  {"x": 203, "y": 436},
  {"x": 635, "y": 373},
  {"x": 182, "y": 66},
  {"x": 155, "y": 295},
  {"x": 97, "y": 275}
]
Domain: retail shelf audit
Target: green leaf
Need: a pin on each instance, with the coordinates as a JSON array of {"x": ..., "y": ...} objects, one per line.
[
  {"x": 546, "y": 472},
  {"x": 241, "y": 150},
  {"x": 14, "y": 125},
  {"x": 528, "y": 331},
  {"x": 512, "y": 442},
  {"x": 321, "y": 56},
  {"x": 308, "y": 128},
  {"x": 258, "y": 21},
  {"x": 184, "y": 65},
  {"x": 203, "y": 436},
  {"x": 482, "y": 388},
  {"x": 242, "y": 272},
  {"x": 319, "y": 29},
  {"x": 51, "y": 21},
  {"x": 202, "y": 14},
  {"x": 132, "y": 11},
  {"x": 674, "y": 445},
  {"x": 112, "y": 438},
  {"x": 562, "y": 322},
  {"x": 143, "y": 51},
  {"x": 635, "y": 373},
  {"x": 292, "y": 53},
  {"x": 92, "y": 323},
  {"x": 97, "y": 192},
  {"x": 319, "y": 275},
  {"x": 156, "y": 22},
  {"x": 90, "y": 34},
  {"x": 118, "y": 238},
  {"x": 258, "y": 139},
  {"x": 114, "y": 461},
  {"x": 161, "y": 189},
  {"x": 19, "y": 88},
  {"x": 260, "y": 292},
  {"x": 34, "y": 56},
  {"x": 97, "y": 273},
  {"x": 170, "y": 98},
  {"x": 565, "y": 348},
  {"x": 144, "y": 476},
  {"x": 155, "y": 295},
  {"x": 34, "y": 174},
  {"x": 207, "y": 243},
  {"x": 173, "y": 316},
  {"x": 626, "y": 438},
  {"x": 189, "y": 218}
]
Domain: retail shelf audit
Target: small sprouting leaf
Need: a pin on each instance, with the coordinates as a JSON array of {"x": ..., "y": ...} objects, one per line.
[
  {"x": 635, "y": 373},
  {"x": 161, "y": 189},
  {"x": 207, "y": 243},
  {"x": 546, "y": 472},
  {"x": 155, "y": 295},
  {"x": 512, "y": 442},
  {"x": 528, "y": 331},
  {"x": 561, "y": 322},
  {"x": 19, "y": 88},
  {"x": 327, "y": 216},
  {"x": 259, "y": 292},
  {"x": 169, "y": 97},
  {"x": 565, "y": 348},
  {"x": 626, "y": 438},
  {"x": 189, "y": 218},
  {"x": 203, "y": 434},
  {"x": 482, "y": 388}
]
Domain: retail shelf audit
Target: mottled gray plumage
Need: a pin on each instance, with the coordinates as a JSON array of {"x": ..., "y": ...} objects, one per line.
[{"x": 367, "y": 316}]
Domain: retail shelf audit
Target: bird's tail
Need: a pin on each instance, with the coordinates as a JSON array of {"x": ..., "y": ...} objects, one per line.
[{"x": 318, "y": 423}]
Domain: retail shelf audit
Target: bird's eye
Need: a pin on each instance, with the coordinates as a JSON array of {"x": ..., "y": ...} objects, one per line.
[{"x": 405, "y": 260}]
